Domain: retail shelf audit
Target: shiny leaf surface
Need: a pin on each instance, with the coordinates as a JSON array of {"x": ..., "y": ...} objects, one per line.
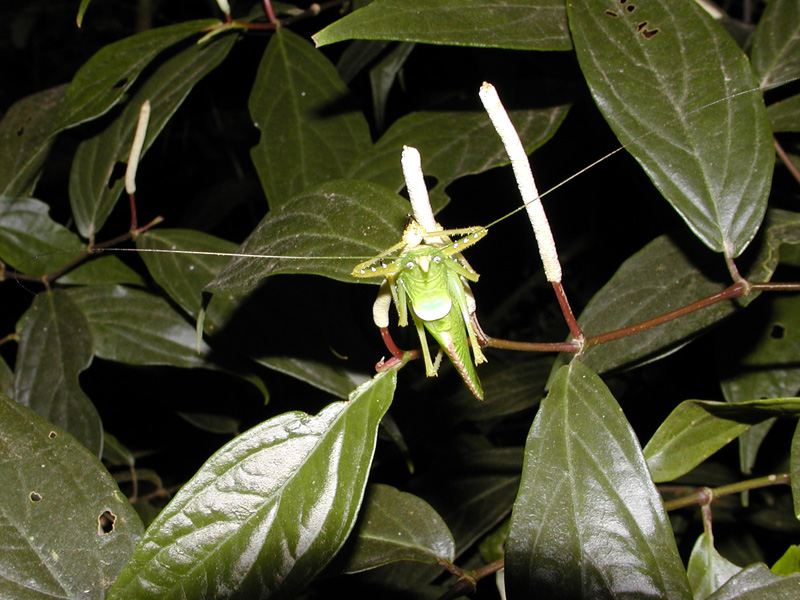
[
  {"x": 268, "y": 511},
  {"x": 582, "y": 460}
]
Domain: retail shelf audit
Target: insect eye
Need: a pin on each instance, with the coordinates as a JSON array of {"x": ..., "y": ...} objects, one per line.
[
  {"x": 410, "y": 265},
  {"x": 437, "y": 259}
]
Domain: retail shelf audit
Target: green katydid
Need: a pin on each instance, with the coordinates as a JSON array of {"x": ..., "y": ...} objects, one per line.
[{"x": 429, "y": 280}]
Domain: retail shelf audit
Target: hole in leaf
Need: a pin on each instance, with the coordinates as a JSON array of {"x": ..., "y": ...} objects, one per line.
[
  {"x": 52, "y": 435},
  {"x": 777, "y": 332},
  {"x": 20, "y": 130},
  {"x": 105, "y": 522},
  {"x": 646, "y": 33},
  {"x": 117, "y": 173},
  {"x": 35, "y": 497},
  {"x": 611, "y": 13},
  {"x": 630, "y": 8},
  {"x": 121, "y": 83}
]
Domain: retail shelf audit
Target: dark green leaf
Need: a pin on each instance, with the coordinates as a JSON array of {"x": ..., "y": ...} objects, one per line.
[
  {"x": 308, "y": 133},
  {"x": 54, "y": 499},
  {"x": 451, "y": 145},
  {"x": 137, "y": 328},
  {"x": 659, "y": 278},
  {"x": 36, "y": 245},
  {"x": 517, "y": 24},
  {"x": 383, "y": 76},
  {"x": 92, "y": 189},
  {"x": 708, "y": 569},
  {"x": 588, "y": 521},
  {"x": 697, "y": 428},
  {"x": 183, "y": 276},
  {"x": 25, "y": 136},
  {"x": 335, "y": 226},
  {"x": 212, "y": 423},
  {"x": 666, "y": 275},
  {"x": 102, "y": 81},
  {"x": 394, "y": 526},
  {"x": 756, "y": 582},
  {"x": 474, "y": 490},
  {"x": 776, "y": 43},
  {"x": 761, "y": 362},
  {"x": 785, "y": 115},
  {"x": 268, "y": 511},
  {"x": 319, "y": 374},
  {"x": 55, "y": 346},
  {"x": 115, "y": 453},
  {"x": 667, "y": 62}
]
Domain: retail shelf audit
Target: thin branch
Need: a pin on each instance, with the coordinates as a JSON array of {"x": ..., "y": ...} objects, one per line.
[
  {"x": 786, "y": 160},
  {"x": 704, "y": 495}
]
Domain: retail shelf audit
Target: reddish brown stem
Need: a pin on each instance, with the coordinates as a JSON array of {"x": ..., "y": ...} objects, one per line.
[
  {"x": 734, "y": 291},
  {"x": 566, "y": 310},
  {"x": 786, "y": 160}
]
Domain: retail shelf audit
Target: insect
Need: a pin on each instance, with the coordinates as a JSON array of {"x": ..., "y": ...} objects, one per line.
[{"x": 430, "y": 281}]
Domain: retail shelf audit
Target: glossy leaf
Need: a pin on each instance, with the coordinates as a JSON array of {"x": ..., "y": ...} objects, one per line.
[
  {"x": 756, "y": 582},
  {"x": 788, "y": 563},
  {"x": 93, "y": 188},
  {"x": 451, "y": 145},
  {"x": 308, "y": 133},
  {"x": 708, "y": 570},
  {"x": 183, "y": 276},
  {"x": 55, "y": 346},
  {"x": 767, "y": 368},
  {"x": 54, "y": 498},
  {"x": 25, "y": 135},
  {"x": 102, "y": 82},
  {"x": 696, "y": 429},
  {"x": 318, "y": 374},
  {"x": 335, "y": 226},
  {"x": 137, "y": 328},
  {"x": 588, "y": 521},
  {"x": 34, "y": 244},
  {"x": 785, "y": 115},
  {"x": 382, "y": 78},
  {"x": 268, "y": 511},
  {"x": 395, "y": 526},
  {"x": 473, "y": 491},
  {"x": 662, "y": 277},
  {"x": 517, "y": 24},
  {"x": 662, "y": 62},
  {"x": 776, "y": 43}
]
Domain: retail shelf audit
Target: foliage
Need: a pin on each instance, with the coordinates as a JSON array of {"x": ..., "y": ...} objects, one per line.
[{"x": 344, "y": 480}]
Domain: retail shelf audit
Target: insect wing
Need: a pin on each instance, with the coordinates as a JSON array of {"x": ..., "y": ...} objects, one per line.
[{"x": 450, "y": 332}]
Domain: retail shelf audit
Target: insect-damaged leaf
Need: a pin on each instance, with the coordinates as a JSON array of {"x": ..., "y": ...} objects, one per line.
[
  {"x": 55, "y": 346},
  {"x": 268, "y": 511},
  {"x": 65, "y": 528},
  {"x": 346, "y": 218},
  {"x": 517, "y": 24},
  {"x": 92, "y": 190},
  {"x": 309, "y": 134},
  {"x": 588, "y": 521},
  {"x": 656, "y": 62}
]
